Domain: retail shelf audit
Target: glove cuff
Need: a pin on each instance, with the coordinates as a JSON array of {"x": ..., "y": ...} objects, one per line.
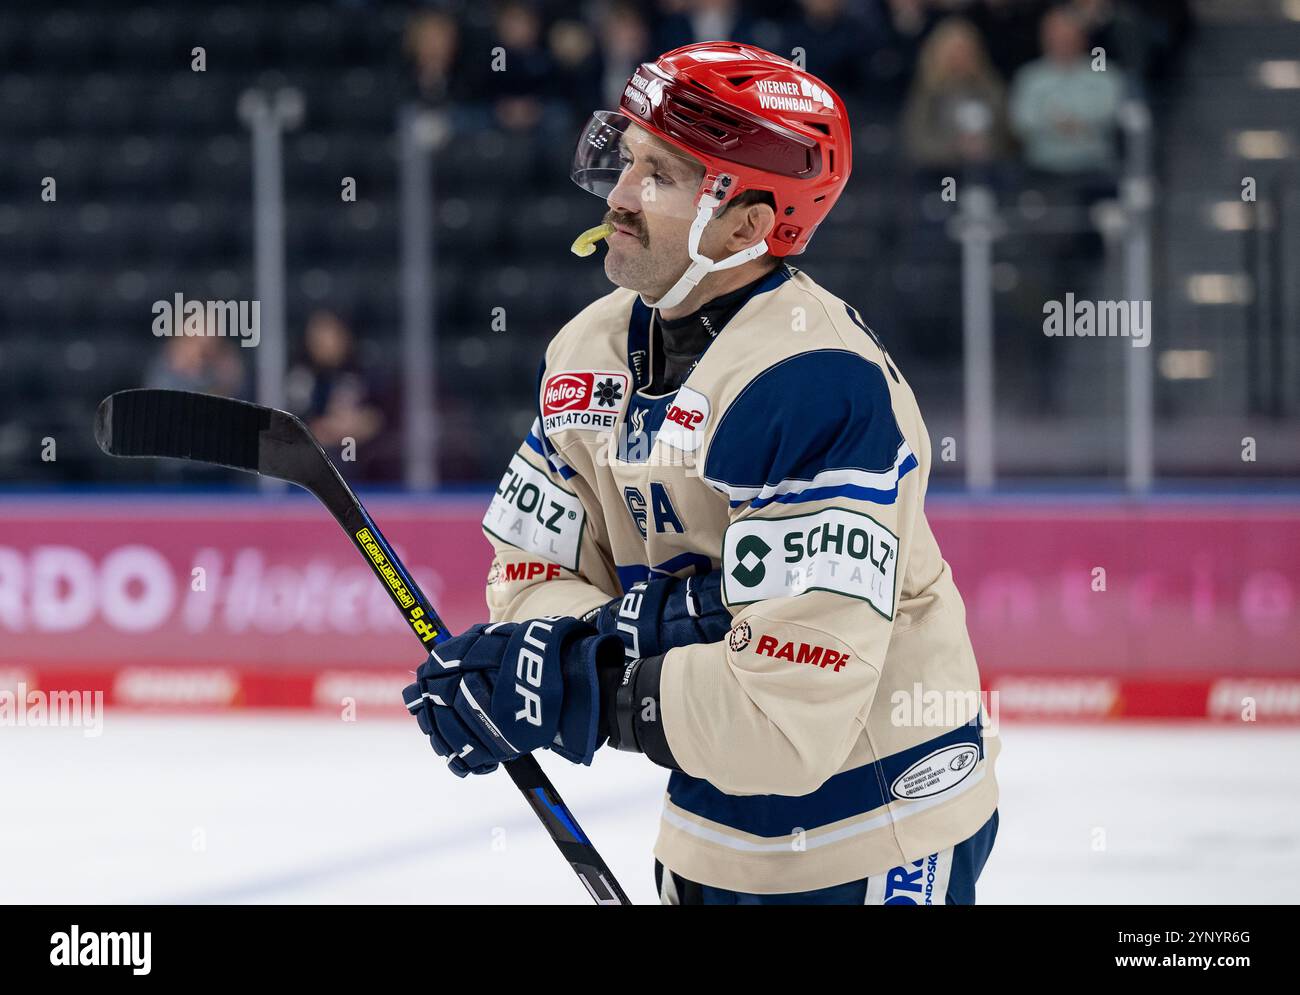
[
  {"x": 637, "y": 723},
  {"x": 581, "y": 659}
]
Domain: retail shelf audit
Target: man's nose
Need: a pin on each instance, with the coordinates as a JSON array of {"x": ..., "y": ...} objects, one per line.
[{"x": 626, "y": 195}]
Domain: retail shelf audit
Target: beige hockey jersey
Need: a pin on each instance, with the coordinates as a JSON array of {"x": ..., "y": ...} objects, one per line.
[{"x": 836, "y": 732}]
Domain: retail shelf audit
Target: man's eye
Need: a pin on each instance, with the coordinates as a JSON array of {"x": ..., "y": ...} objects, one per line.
[{"x": 663, "y": 180}]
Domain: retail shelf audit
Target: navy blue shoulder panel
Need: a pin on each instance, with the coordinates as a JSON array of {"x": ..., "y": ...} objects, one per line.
[{"x": 817, "y": 425}]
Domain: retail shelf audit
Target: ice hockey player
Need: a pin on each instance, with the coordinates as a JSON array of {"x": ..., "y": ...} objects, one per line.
[{"x": 711, "y": 547}]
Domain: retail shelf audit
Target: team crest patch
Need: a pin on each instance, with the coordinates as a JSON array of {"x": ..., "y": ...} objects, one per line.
[
  {"x": 587, "y": 400},
  {"x": 738, "y": 638}
]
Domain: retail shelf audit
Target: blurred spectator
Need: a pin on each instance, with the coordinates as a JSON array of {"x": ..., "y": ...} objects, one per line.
[
  {"x": 689, "y": 21},
  {"x": 431, "y": 44},
  {"x": 1065, "y": 113},
  {"x": 578, "y": 68},
  {"x": 900, "y": 27},
  {"x": 329, "y": 390},
  {"x": 956, "y": 111},
  {"x": 520, "y": 92},
  {"x": 910, "y": 18},
  {"x": 833, "y": 41},
  {"x": 1144, "y": 37},
  {"x": 1010, "y": 30},
  {"x": 624, "y": 44},
  {"x": 203, "y": 363},
  {"x": 1062, "y": 109},
  {"x": 206, "y": 364}
]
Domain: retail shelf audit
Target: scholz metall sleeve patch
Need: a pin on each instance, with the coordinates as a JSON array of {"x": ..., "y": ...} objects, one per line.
[
  {"x": 531, "y": 512},
  {"x": 833, "y": 550}
]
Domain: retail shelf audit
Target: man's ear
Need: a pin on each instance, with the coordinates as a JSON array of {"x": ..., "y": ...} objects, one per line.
[{"x": 751, "y": 224}]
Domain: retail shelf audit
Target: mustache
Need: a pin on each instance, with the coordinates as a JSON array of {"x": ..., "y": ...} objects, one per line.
[{"x": 629, "y": 221}]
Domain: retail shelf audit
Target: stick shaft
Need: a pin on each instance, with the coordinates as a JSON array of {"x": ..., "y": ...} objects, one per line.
[
  {"x": 525, "y": 771},
  {"x": 216, "y": 430}
]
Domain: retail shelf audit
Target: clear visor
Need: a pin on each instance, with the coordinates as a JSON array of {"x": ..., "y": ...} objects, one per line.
[{"x": 666, "y": 179}]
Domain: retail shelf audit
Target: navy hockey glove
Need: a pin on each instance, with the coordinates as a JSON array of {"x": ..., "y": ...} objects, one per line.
[
  {"x": 656, "y": 615},
  {"x": 504, "y": 689}
]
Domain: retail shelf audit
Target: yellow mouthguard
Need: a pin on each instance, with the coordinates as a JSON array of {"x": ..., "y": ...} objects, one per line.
[{"x": 585, "y": 244}]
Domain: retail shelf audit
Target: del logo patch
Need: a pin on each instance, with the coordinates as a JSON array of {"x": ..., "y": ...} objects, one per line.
[
  {"x": 583, "y": 399},
  {"x": 833, "y": 550},
  {"x": 685, "y": 420}
]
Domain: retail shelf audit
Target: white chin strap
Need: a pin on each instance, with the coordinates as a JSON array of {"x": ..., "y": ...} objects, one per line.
[{"x": 702, "y": 266}]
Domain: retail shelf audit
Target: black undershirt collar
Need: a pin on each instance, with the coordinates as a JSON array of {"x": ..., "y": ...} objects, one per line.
[{"x": 679, "y": 342}]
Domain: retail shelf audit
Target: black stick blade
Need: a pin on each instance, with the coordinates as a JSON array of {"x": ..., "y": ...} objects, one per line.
[{"x": 177, "y": 424}]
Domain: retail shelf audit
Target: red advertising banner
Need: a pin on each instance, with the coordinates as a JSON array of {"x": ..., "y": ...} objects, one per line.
[
  {"x": 1076, "y": 610},
  {"x": 272, "y": 584},
  {"x": 1131, "y": 589}
]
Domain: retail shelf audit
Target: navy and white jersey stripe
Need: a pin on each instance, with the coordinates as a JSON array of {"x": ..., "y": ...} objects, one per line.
[
  {"x": 536, "y": 441},
  {"x": 814, "y": 426}
]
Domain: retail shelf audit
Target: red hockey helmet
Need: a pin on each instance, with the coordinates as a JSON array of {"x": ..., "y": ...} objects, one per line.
[{"x": 755, "y": 120}]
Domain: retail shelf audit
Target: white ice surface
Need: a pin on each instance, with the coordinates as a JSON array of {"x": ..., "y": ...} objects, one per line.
[{"x": 281, "y": 807}]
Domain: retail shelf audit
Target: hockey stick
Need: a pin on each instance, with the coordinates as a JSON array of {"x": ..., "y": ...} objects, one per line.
[{"x": 181, "y": 425}]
